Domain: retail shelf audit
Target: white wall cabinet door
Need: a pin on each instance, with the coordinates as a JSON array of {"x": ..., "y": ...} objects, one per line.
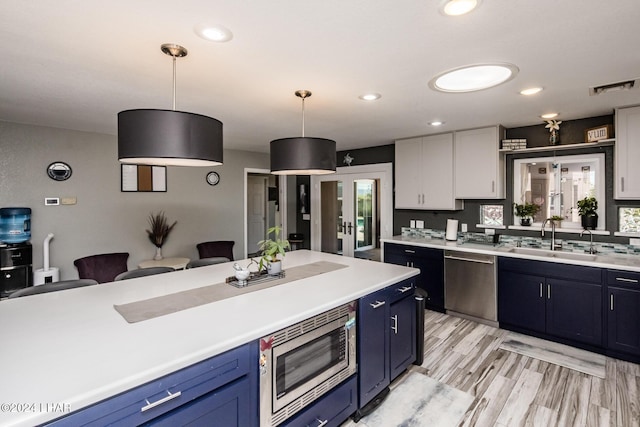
[
  {"x": 424, "y": 173},
  {"x": 479, "y": 167},
  {"x": 627, "y": 153},
  {"x": 408, "y": 187}
]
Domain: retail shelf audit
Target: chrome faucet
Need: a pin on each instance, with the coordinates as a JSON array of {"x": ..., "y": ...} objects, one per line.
[
  {"x": 592, "y": 249},
  {"x": 554, "y": 245}
]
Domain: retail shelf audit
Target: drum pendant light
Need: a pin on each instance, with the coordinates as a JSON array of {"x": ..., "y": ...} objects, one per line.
[
  {"x": 303, "y": 155},
  {"x": 169, "y": 137}
]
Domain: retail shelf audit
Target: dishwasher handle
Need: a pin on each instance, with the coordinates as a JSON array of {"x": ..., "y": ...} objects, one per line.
[{"x": 479, "y": 261}]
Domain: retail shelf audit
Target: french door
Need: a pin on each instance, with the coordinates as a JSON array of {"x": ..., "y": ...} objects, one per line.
[{"x": 350, "y": 211}]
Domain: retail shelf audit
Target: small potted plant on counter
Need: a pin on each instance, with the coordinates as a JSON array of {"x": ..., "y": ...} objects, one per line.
[
  {"x": 270, "y": 251},
  {"x": 526, "y": 212},
  {"x": 588, "y": 211},
  {"x": 557, "y": 220},
  {"x": 159, "y": 231}
]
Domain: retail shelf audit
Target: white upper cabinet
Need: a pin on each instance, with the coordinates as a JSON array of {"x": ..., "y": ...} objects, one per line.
[
  {"x": 424, "y": 173},
  {"x": 627, "y": 154},
  {"x": 479, "y": 167}
]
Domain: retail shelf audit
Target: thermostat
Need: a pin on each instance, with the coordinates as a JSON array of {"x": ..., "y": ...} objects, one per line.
[{"x": 51, "y": 201}]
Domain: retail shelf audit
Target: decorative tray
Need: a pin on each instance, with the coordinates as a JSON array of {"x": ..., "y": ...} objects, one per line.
[{"x": 254, "y": 279}]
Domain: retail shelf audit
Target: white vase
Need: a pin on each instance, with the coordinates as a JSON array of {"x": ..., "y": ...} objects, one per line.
[
  {"x": 274, "y": 268},
  {"x": 158, "y": 255}
]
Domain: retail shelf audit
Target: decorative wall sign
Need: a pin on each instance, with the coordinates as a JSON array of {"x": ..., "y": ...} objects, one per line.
[
  {"x": 144, "y": 178},
  {"x": 59, "y": 171},
  {"x": 598, "y": 133}
]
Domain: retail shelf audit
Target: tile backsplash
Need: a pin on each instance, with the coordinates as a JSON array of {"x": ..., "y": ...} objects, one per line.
[{"x": 527, "y": 242}]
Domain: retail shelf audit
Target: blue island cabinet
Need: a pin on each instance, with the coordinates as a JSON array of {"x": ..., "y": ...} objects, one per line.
[
  {"x": 220, "y": 391},
  {"x": 560, "y": 302},
  {"x": 386, "y": 339},
  {"x": 623, "y": 308}
]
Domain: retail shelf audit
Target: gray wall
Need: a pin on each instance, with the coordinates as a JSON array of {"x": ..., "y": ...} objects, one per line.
[{"x": 104, "y": 218}]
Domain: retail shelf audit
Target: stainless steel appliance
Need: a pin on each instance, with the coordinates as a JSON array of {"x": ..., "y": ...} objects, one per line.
[
  {"x": 470, "y": 286},
  {"x": 15, "y": 267},
  {"x": 300, "y": 363}
]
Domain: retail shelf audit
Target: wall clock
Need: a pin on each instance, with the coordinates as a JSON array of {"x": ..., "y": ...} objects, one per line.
[
  {"x": 59, "y": 171},
  {"x": 213, "y": 178}
]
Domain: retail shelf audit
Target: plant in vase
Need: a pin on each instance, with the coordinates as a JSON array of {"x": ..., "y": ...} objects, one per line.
[
  {"x": 159, "y": 231},
  {"x": 557, "y": 220},
  {"x": 270, "y": 251},
  {"x": 588, "y": 211},
  {"x": 554, "y": 129},
  {"x": 526, "y": 212}
]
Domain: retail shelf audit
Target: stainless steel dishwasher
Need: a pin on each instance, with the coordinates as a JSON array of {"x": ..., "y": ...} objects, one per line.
[{"x": 470, "y": 286}]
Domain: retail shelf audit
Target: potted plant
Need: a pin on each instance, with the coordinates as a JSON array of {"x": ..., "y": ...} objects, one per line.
[
  {"x": 159, "y": 231},
  {"x": 557, "y": 220},
  {"x": 270, "y": 251},
  {"x": 588, "y": 211},
  {"x": 526, "y": 212}
]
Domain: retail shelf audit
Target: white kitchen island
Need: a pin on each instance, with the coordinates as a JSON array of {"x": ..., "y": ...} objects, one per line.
[{"x": 72, "y": 348}]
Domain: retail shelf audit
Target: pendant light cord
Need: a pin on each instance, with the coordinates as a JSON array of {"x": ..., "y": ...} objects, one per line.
[
  {"x": 303, "y": 117},
  {"x": 174, "y": 83}
]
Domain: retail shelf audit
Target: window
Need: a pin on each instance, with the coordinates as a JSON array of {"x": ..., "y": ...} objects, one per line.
[
  {"x": 557, "y": 183},
  {"x": 492, "y": 215},
  {"x": 629, "y": 220}
]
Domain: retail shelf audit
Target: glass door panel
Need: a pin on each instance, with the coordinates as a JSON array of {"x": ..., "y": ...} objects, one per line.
[{"x": 365, "y": 213}]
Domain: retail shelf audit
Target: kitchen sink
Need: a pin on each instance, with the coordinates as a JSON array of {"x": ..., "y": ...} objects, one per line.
[{"x": 577, "y": 256}]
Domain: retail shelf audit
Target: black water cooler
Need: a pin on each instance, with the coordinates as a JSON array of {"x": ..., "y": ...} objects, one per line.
[{"x": 16, "y": 264}]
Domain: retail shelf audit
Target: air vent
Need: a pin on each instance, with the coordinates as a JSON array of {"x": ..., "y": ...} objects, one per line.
[{"x": 614, "y": 87}]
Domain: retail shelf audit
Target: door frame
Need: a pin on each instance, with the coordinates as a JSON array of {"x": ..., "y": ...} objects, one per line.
[
  {"x": 380, "y": 171},
  {"x": 282, "y": 200}
]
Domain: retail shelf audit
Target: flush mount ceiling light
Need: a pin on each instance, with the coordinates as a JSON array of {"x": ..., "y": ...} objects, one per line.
[
  {"x": 549, "y": 115},
  {"x": 530, "y": 91},
  {"x": 471, "y": 78},
  {"x": 303, "y": 155},
  {"x": 169, "y": 137},
  {"x": 435, "y": 123},
  {"x": 458, "y": 7},
  {"x": 370, "y": 96},
  {"x": 214, "y": 33}
]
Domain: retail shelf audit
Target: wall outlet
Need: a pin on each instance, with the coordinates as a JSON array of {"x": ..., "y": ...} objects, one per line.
[
  {"x": 419, "y": 223},
  {"x": 634, "y": 242},
  {"x": 412, "y": 223},
  {"x": 463, "y": 228},
  {"x": 489, "y": 231}
]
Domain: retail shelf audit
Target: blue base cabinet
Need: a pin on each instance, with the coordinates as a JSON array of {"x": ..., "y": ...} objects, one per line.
[
  {"x": 431, "y": 264},
  {"x": 623, "y": 314},
  {"x": 386, "y": 338},
  {"x": 220, "y": 391},
  {"x": 552, "y": 300}
]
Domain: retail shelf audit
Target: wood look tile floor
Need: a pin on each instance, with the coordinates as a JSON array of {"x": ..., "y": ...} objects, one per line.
[{"x": 515, "y": 390}]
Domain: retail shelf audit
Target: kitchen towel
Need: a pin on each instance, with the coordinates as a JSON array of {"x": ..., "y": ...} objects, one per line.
[{"x": 452, "y": 229}]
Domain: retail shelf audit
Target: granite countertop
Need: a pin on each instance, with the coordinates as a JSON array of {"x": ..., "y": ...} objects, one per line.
[
  {"x": 615, "y": 261},
  {"x": 73, "y": 348}
]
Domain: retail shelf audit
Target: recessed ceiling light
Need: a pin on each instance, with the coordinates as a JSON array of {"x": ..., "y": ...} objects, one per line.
[
  {"x": 473, "y": 77},
  {"x": 435, "y": 123},
  {"x": 214, "y": 33},
  {"x": 458, "y": 7},
  {"x": 549, "y": 115},
  {"x": 531, "y": 91},
  {"x": 370, "y": 96}
]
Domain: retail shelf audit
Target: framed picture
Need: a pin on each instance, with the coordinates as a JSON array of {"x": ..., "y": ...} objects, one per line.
[
  {"x": 143, "y": 178},
  {"x": 303, "y": 199}
]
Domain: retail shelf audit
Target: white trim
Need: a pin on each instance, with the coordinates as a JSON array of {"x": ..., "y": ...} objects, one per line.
[
  {"x": 537, "y": 227},
  {"x": 626, "y": 234},
  {"x": 497, "y": 227}
]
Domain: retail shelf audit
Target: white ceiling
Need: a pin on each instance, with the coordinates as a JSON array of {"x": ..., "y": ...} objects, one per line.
[{"x": 75, "y": 64}]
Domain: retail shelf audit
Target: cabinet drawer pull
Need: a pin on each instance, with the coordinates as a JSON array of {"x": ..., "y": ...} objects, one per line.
[
  {"x": 377, "y": 304},
  {"x": 611, "y": 302},
  {"x": 405, "y": 289},
  {"x": 161, "y": 401},
  {"x": 541, "y": 290},
  {"x": 548, "y": 291},
  {"x": 409, "y": 251},
  {"x": 622, "y": 184},
  {"x": 493, "y": 186},
  {"x": 394, "y": 327},
  {"x": 624, "y": 279},
  {"x": 322, "y": 422}
]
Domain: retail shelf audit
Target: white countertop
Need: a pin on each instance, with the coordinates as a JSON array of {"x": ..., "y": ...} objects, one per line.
[
  {"x": 73, "y": 348},
  {"x": 623, "y": 262}
]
